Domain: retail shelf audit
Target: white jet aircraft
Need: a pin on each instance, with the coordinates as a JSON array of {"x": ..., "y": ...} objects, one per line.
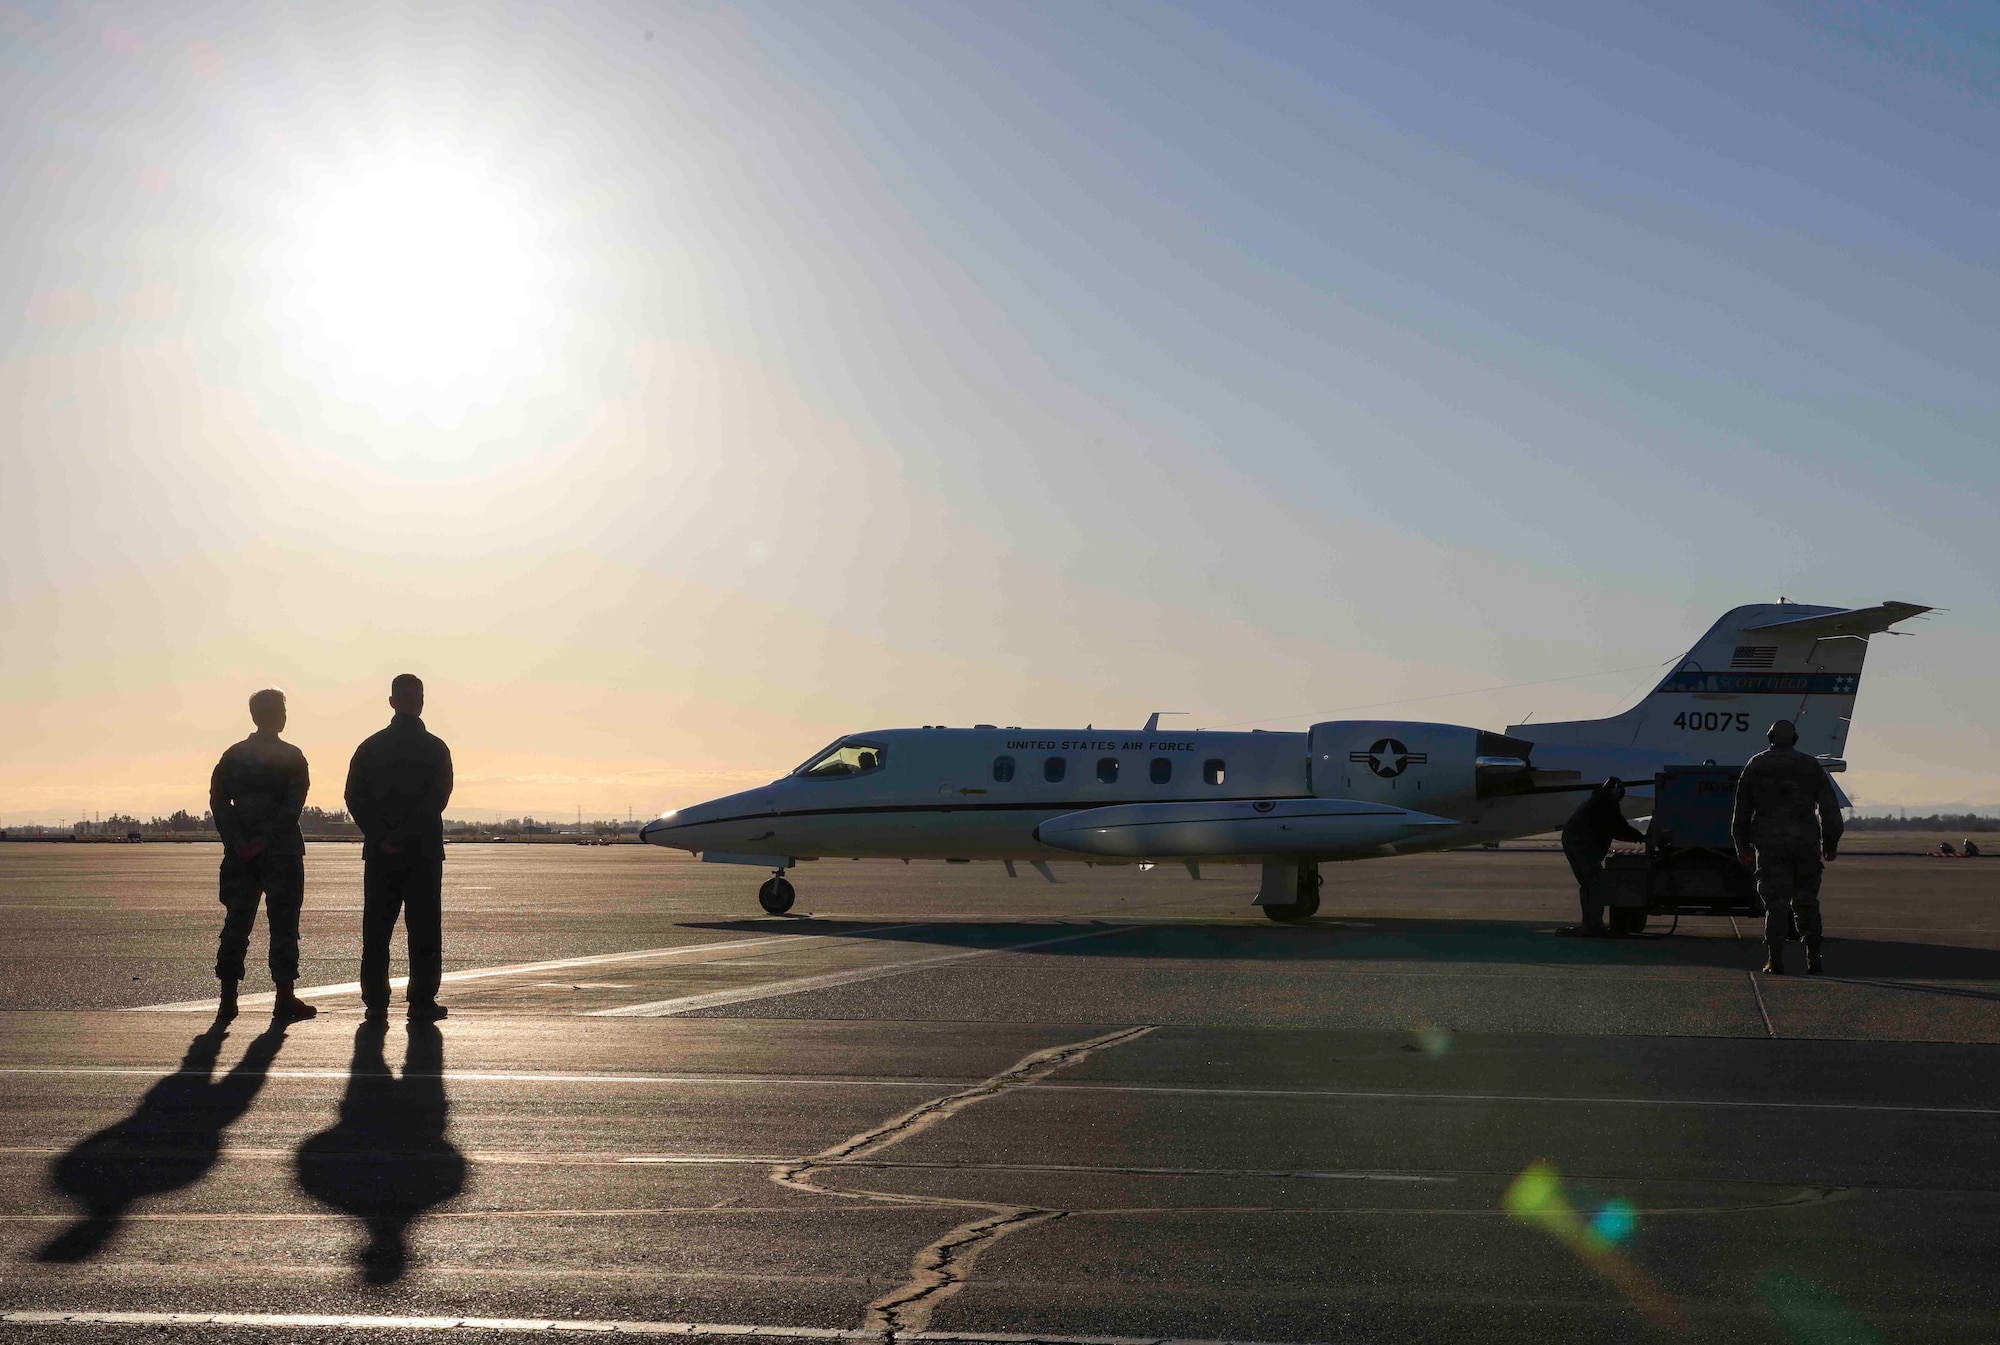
[{"x": 1344, "y": 789}]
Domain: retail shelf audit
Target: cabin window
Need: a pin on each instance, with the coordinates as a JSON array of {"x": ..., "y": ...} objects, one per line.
[
  {"x": 1162, "y": 770},
  {"x": 850, "y": 756},
  {"x": 1107, "y": 770},
  {"x": 1212, "y": 771},
  {"x": 1003, "y": 769},
  {"x": 1053, "y": 770}
]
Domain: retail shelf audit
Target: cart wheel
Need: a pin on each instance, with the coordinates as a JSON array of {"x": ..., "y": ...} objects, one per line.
[{"x": 1628, "y": 920}]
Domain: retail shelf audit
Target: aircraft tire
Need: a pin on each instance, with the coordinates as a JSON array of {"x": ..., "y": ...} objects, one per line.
[
  {"x": 776, "y": 896},
  {"x": 1305, "y": 908}
]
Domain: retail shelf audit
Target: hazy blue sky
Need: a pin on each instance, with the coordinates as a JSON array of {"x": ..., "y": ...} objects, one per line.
[{"x": 676, "y": 387}]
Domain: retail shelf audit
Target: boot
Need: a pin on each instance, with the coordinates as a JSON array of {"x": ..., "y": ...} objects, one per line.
[
  {"x": 1814, "y": 967},
  {"x": 225, "y": 1009},
  {"x": 1774, "y": 959},
  {"x": 290, "y": 1008}
]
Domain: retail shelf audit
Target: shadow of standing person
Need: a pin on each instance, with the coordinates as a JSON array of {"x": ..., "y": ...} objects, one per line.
[
  {"x": 171, "y": 1140},
  {"x": 387, "y": 1159}
]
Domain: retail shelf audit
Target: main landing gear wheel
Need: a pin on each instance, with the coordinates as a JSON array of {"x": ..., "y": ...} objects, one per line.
[
  {"x": 1306, "y": 907},
  {"x": 776, "y": 896}
]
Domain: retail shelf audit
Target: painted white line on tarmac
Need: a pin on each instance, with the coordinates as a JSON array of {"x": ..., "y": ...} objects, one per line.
[
  {"x": 517, "y": 969},
  {"x": 1535, "y": 1099},
  {"x": 1180, "y": 1090},
  {"x": 665, "y": 1008},
  {"x": 1177, "y": 1090},
  {"x": 308, "y": 1321},
  {"x": 545, "y": 1159},
  {"x": 523, "y": 1076}
]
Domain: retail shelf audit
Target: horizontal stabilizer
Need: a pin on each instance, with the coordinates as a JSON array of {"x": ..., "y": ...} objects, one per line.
[{"x": 1863, "y": 621}]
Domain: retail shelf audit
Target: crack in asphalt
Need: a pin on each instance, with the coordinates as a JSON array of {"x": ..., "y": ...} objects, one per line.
[{"x": 941, "y": 1268}]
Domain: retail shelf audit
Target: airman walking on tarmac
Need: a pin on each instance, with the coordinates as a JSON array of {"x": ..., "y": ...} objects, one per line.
[
  {"x": 256, "y": 794},
  {"x": 1786, "y": 822}
]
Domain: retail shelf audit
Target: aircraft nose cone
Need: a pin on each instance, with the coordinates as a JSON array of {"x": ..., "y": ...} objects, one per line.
[{"x": 676, "y": 828}]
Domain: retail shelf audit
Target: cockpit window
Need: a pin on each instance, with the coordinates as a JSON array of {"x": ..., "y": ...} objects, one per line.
[{"x": 849, "y": 756}]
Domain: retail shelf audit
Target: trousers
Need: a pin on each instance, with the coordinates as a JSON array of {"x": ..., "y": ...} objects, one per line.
[
  {"x": 1586, "y": 861},
  {"x": 1788, "y": 879},
  {"x": 413, "y": 889},
  {"x": 280, "y": 880}
]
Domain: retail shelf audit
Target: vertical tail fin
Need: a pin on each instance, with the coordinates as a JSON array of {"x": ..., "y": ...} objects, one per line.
[{"x": 1759, "y": 663}]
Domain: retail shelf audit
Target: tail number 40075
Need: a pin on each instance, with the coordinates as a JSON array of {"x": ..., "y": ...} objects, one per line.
[{"x": 1699, "y": 721}]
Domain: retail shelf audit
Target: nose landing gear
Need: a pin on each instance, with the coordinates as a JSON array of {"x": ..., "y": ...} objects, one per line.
[{"x": 776, "y": 895}]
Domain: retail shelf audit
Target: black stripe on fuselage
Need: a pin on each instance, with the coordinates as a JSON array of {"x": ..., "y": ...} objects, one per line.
[{"x": 1056, "y": 809}]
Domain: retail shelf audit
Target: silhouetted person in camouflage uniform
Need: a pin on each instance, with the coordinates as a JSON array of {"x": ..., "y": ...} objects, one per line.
[
  {"x": 256, "y": 794},
  {"x": 397, "y": 787},
  {"x": 1787, "y": 813}
]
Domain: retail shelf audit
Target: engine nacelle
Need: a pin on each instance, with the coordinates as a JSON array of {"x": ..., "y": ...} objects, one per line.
[{"x": 1433, "y": 768}]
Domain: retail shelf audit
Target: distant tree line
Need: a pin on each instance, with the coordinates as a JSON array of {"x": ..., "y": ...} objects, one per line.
[
  {"x": 324, "y": 822},
  {"x": 529, "y": 826},
  {"x": 312, "y": 821},
  {"x": 327, "y": 822},
  {"x": 1932, "y": 822}
]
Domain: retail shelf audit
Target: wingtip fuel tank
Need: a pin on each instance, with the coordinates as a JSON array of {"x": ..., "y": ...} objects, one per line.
[{"x": 1311, "y": 827}]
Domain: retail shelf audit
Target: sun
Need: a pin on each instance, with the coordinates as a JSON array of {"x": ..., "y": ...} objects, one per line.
[{"x": 414, "y": 284}]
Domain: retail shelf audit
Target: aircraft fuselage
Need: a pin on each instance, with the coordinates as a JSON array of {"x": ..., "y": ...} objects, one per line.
[{"x": 980, "y": 794}]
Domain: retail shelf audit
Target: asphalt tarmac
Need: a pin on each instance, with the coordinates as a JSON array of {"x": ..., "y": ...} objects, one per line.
[{"x": 942, "y": 1104}]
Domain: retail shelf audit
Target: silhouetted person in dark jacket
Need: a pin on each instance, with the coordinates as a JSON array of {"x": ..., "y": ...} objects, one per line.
[
  {"x": 256, "y": 794},
  {"x": 397, "y": 787},
  {"x": 1587, "y": 838}
]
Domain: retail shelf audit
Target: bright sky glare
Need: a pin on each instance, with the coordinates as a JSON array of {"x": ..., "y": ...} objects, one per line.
[
  {"x": 678, "y": 387},
  {"x": 409, "y": 283}
]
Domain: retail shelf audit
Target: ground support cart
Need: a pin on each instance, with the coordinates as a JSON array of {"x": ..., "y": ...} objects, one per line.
[{"x": 1689, "y": 866}]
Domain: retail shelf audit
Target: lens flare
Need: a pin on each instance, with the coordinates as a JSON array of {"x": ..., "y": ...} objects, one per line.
[
  {"x": 1613, "y": 1223},
  {"x": 1435, "y": 1041},
  {"x": 1536, "y": 1197},
  {"x": 1811, "y": 1316}
]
